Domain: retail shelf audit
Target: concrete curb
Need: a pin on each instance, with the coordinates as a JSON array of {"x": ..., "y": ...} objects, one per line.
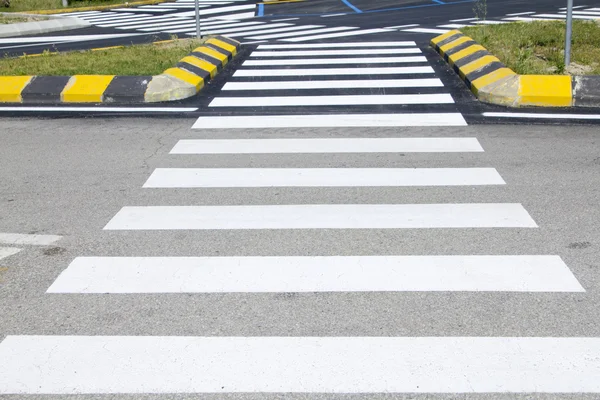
[
  {"x": 492, "y": 82},
  {"x": 52, "y": 24},
  {"x": 184, "y": 80}
]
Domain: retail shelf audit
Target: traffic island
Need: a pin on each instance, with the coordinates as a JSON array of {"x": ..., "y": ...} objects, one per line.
[
  {"x": 183, "y": 80},
  {"x": 493, "y": 82}
]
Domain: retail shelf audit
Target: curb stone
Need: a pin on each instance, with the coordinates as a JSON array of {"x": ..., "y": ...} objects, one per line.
[
  {"x": 51, "y": 24},
  {"x": 184, "y": 80},
  {"x": 492, "y": 82}
]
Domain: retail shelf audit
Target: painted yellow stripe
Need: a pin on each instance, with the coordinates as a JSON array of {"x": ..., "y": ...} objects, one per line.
[
  {"x": 454, "y": 43},
  {"x": 490, "y": 78},
  {"x": 464, "y": 53},
  {"x": 107, "y": 48},
  {"x": 445, "y": 36},
  {"x": 202, "y": 64},
  {"x": 213, "y": 53},
  {"x": 223, "y": 45},
  {"x": 545, "y": 90},
  {"x": 476, "y": 65},
  {"x": 11, "y": 88},
  {"x": 86, "y": 88},
  {"x": 186, "y": 76}
]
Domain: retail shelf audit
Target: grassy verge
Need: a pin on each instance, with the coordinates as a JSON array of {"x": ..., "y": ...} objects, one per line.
[
  {"x": 37, "y": 5},
  {"x": 147, "y": 59},
  {"x": 537, "y": 47},
  {"x": 9, "y": 19}
]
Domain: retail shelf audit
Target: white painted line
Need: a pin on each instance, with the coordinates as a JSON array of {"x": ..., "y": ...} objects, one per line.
[
  {"x": 185, "y": 364},
  {"x": 332, "y": 61},
  {"x": 426, "y": 30},
  {"x": 285, "y": 19},
  {"x": 521, "y": 13},
  {"x": 308, "y": 146},
  {"x": 524, "y": 19},
  {"x": 8, "y": 251},
  {"x": 310, "y": 31},
  {"x": 191, "y": 27},
  {"x": 486, "y": 22},
  {"x": 333, "y": 15},
  {"x": 330, "y": 121},
  {"x": 323, "y": 216},
  {"x": 218, "y": 10},
  {"x": 576, "y": 7},
  {"x": 245, "y": 15},
  {"x": 336, "y": 45},
  {"x": 559, "y": 16},
  {"x": 247, "y": 30},
  {"x": 339, "y": 34},
  {"x": 463, "y": 20},
  {"x": 333, "y": 71},
  {"x": 25, "y": 239},
  {"x": 593, "y": 14},
  {"x": 320, "y": 177},
  {"x": 137, "y": 21},
  {"x": 400, "y": 26},
  {"x": 541, "y": 116},
  {"x": 99, "y": 109},
  {"x": 264, "y": 30},
  {"x": 334, "y": 84},
  {"x": 348, "y": 100},
  {"x": 316, "y": 274},
  {"x": 186, "y": 23},
  {"x": 252, "y": 42},
  {"x": 452, "y": 26},
  {"x": 147, "y": 10},
  {"x": 349, "y": 52}
]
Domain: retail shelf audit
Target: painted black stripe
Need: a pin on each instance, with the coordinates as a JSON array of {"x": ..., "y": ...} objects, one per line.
[
  {"x": 44, "y": 89},
  {"x": 205, "y": 57},
  {"x": 195, "y": 70},
  {"x": 219, "y": 49},
  {"x": 586, "y": 91},
  {"x": 488, "y": 68},
  {"x": 458, "y": 48},
  {"x": 448, "y": 40},
  {"x": 228, "y": 41},
  {"x": 127, "y": 89},
  {"x": 471, "y": 57}
]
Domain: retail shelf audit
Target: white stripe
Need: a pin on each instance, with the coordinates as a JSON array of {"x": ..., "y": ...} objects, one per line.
[
  {"x": 559, "y": 16},
  {"x": 331, "y": 121},
  {"x": 452, "y": 26},
  {"x": 293, "y": 28},
  {"x": 463, "y": 20},
  {"x": 266, "y": 29},
  {"x": 337, "y": 84},
  {"x": 333, "y": 15},
  {"x": 99, "y": 109},
  {"x": 541, "y": 116},
  {"x": 285, "y": 101},
  {"x": 323, "y": 216},
  {"x": 486, "y": 22},
  {"x": 336, "y": 35},
  {"x": 333, "y": 71},
  {"x": 521, "y": 13},
  {"x": 25, "y": 239},
  {"x": 349, "y": 145},
  {"x": 425, "y": 30},
  {"x": 524, "y": 19},
  {"x": 237, "y": 24},
  {"x": 146, "y": 10},
  {"x": 192, "y": 26},
  {"x": 285, "y": 19},
  {"x": 400, "y": 26},
  {"x": 330, "y": 61},
  {"x": 335, "y": 45},
  {"x": 310, "y": 31},
  {"x": 359, "y": 52},
  {"x": 586, "y": 12},
  {"x": 218, "y": 10},
  {"x": 105, "y": 17},
  {"x": 320, "y": 177},
  {"x": 316, "y": 274},
  {"x": 137, "y": 21},
  {"x": 246, "y": 29},
  {"x": 179, "y": 24},
  {"x": 237, "y": 16},
  {"x": 7, "y": 252},
  {"x": 171, "y": 364}
]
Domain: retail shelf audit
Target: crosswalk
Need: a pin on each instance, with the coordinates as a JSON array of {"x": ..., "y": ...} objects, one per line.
[{"x": 8, "y": 241}]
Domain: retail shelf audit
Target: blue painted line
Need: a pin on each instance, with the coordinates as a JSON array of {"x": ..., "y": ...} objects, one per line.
[
  {"x": 261, "y": 10},
  {"x": 352, "y": 6},
  {"x": 438, "y": 1}
]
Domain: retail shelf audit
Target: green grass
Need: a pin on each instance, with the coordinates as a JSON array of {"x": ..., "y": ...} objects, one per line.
[
  {"x": 38, "y": 5},
  {"x": 537, "y": 48},
  {"x": 148, "y": 59},
  {"x": 4, "y": 19}
]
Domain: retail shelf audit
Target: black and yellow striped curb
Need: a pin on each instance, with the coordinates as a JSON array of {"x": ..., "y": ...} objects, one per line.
[
  {"x": 184, "y": 80},
  {"x": 492, "y": 82}
]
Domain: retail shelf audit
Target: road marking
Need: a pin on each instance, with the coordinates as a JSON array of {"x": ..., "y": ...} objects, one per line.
[
  {"x": 319, "y": 146},
  {"x": 73, "y": 38},
  {"x": 452, "y": 26},
  {"x": 285, "y": 19},
  {"x": 337, "y": 35},
  {"x": 332, "y": 61},
  {"x": 400, "y": 26},
  {"x": 320, "y": 177},
  {"x": 336, "y": 45},
  {"x": 333, "y": 15},
  {"x": 521, "y": 13},
  {"x": 336, "y": 29},
  {"x": 98, "y": 109},
  {"x": 463, "y": 20},
  {"x": 217, "y": 10},
  {"x": 190, "y": 26},
  {"x": 333, "y": 71},
  {"x": 316, "y": 274},
  {"x": 8, "y": 251},
  {"x": 346, "y": 52},
  {"x": 541, "y": 116},
  {"x": 262, "y": 29},
  {"x": 25, "y": 239},
  {"x": 426, "y": 30},
  {"x": 334, "y": 84},
  {"x": 330, "y": 121},
  {"x": 288, "y": 101},
  {"x": 323, "y": 216},
  {"x": 171, "y": 364},
  {"x": 252, "y": 26}
]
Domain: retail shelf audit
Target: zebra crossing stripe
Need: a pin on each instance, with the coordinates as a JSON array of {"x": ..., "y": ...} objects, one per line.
[
  {"x": 320, "y": 146},
  {"x": 333, "y": 71},
  {"x": 335, "y": 45},
  {"x": 333, "y": 84},
  {"x": 263, "y": 29},
  {"x": 288, "y": 101},
  {"x": 28, "y": 239},
  {"x": 172, "y": 364},
  {"x": 334, "y": 29},
  {"x": 319, "y": 177},
  {"x": 345, "y": 52},
  {"x": 323, "y": 216},
  {"x": 8, "y": 251},
  {"x": 337, "y": 35},
  {"x": 488, "y": 273}
]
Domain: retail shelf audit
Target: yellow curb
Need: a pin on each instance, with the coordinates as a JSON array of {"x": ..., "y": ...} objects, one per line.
[
  {"x": 446, "y": 35},
  {"x": 186, "y": 76},
  {"x": 86, "y": 88},
  {"x": 12, "y": 86},
  {"x": 548, "y": 90},
  {"x": 213, "y": 53},
  {"x": 202, "y": 64},
  {"x": 98, "y": 8},
  {"x": 223, "y": 45}
]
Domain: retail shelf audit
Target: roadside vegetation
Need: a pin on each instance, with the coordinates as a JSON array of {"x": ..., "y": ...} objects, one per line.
[
  {"x": 537, "y": 47},
  {"x": 7, "y": 19},
  {"x": 40, "y": 5},
  {"x": 146, "y": 59}
]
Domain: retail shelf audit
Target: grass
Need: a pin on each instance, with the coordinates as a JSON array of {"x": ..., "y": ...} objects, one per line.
[
  {"x": 11, "y": 20},
  {"x": 38, "y": 5},
  {"x": 146, "y": 59},
  {"x": 537, "y": 48}
]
